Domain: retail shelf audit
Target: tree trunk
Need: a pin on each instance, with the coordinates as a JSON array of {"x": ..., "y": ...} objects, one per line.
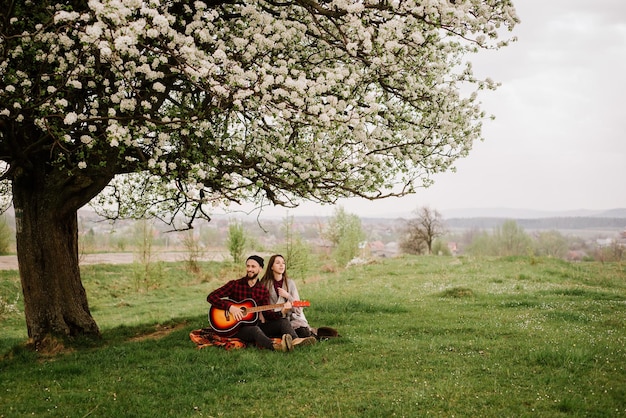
[{"x": 55, "y": 301}]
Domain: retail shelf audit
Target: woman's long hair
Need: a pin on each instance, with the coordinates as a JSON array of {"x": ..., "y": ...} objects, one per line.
[{"x": 268, "y": 276}]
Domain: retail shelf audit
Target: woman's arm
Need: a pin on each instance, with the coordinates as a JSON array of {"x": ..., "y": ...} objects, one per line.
[{"x": 293, "y": 295}]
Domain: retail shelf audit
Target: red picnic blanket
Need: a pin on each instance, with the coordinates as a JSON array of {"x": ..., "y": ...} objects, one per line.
[{"x": 206, "y": 337}]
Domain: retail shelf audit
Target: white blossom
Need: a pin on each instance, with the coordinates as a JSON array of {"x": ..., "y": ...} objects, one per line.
[
  {"x": 63, "y": 16},
  {"x": 70, "y": 118},
  {"x": 159, "y": 87},
  {"x": 127, "y": 105},
  {"x": 316, "y": 97}
]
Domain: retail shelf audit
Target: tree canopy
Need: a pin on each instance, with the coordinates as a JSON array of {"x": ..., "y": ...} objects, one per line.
[
  {"x": 242, "y": 100},
  {"x": 166, "y": 107}
]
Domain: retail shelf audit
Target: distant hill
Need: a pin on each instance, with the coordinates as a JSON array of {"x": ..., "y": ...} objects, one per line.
[
  {"x": 512, "y": 213},
  {"x": 561, "y": 223},
  {"x": 582, "y": 219},
  {"x": 613, "y": 213}
]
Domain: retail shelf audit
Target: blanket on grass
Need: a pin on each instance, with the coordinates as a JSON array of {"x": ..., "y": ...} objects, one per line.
[{"x": 206, "y": 337}]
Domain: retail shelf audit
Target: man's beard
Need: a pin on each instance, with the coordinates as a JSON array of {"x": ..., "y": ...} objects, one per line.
[{"x": 253, "y": 276}]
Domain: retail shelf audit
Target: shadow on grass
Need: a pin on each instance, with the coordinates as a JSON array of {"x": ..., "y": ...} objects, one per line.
[{"x": 20, "y": 350}]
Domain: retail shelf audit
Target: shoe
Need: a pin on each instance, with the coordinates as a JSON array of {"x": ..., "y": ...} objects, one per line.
[
  {"x": 285, "y": 345},
  {"x": 304, "y": 341}
]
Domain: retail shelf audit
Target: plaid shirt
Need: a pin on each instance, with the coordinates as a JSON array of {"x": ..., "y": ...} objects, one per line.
[{"x": 238, "y": 290}]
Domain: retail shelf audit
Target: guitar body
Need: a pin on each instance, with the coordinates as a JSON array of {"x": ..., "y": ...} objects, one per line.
[{"x": 225, "y": 324}]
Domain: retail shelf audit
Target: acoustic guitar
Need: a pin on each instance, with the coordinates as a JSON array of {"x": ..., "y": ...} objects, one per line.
[{"x": 225, "y": 324}]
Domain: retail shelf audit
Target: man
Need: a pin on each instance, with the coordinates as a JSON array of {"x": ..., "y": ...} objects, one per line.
[{"x": 228, "y": 296}]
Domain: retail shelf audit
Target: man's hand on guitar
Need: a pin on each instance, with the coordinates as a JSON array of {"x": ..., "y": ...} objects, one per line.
[
  {"x": 236, "y": 312},
  {"x": 286, "y": 308},
  {"x": 225, "y": 322}
]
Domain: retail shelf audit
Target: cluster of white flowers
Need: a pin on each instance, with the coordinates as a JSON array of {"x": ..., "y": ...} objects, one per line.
[{"x": 356, "y": 95}]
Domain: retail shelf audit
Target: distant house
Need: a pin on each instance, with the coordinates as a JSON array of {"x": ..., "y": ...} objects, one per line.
[
  {"x": 604, "y": 242},
  {"x": 377, "y": 247},
  {"x": 392, "y": 248},
  {"x": 373, "y": 248}
]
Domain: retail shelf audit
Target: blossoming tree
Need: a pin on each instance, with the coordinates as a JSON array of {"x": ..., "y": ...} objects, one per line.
[{"x": 166, "y": 107}]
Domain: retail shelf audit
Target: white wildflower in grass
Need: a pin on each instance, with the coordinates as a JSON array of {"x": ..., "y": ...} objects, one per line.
[{"x": 82, "y": 165}]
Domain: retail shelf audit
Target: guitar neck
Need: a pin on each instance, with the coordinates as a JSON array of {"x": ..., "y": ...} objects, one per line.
[{"x": 264, "y": 307}]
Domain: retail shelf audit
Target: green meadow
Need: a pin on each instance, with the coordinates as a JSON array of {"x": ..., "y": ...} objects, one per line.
[{"x": 420, "y": 336}]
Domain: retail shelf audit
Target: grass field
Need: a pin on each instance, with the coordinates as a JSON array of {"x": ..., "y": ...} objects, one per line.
[{"x": 421, "y": 336}]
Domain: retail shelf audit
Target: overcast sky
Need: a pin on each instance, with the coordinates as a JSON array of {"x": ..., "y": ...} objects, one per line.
[{"x": 558, "y": 140}]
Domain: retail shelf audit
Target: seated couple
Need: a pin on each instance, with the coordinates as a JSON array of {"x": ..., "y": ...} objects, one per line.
[{"x": 275, "y": 297}]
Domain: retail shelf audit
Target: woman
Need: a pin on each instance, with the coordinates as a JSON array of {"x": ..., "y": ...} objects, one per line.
[{"x": 283, "y": 289}]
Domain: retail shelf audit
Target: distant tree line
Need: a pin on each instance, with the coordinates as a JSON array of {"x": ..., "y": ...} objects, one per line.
[{"x": 426, "y": 234}]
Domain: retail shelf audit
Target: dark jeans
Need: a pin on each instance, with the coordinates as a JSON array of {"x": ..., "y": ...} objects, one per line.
[
  {"x": 254, "y": 334},
  {"x": 303, "y": 332},
  {"x": 262, "y": 334},
  {"x": 277, "y": 327}
]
